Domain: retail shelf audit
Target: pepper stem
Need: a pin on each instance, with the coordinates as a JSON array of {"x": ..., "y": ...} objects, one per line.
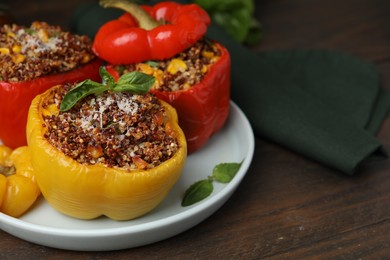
[
  {"x": 7, "y": 171},
  {"x": 145, "y": 21}
]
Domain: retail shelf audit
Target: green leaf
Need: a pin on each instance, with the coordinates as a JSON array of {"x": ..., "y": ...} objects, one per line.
[
  {"x": 135, "y": 82},
  {"x": 83, "y": 89},
  {"x": 107, "y": 78},
  {"x": 30, "y": 31},
  {"x": 152, "y": 63},
  {"x": 225, "y": 172},
  {"x": 208, "y": 5},
  {"x": 236, "y": 22},
  {"x": 224, "y": 5},
  {"x": 236, "y": 18},
  {"x": 249, "y": 5},
  {"x": 197, "y": 192},
  {"x": 255, "y": 33}
]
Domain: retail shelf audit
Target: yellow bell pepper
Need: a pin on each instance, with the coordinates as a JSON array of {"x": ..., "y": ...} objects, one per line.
[
  {"x": 89, "y": 191},
  {"x": 18, "y": 187}
]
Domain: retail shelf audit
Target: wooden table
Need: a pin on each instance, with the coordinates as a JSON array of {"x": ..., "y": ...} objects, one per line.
[{"x": 287, "y": 206}]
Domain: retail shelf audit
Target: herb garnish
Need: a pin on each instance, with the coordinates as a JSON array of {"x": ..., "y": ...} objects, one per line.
[
  {"x": 152, "y": 63},
  {"x": 134, "y": 82},
  {"x": 236, "y": 17},
  {"x": 223, "y": 173}
]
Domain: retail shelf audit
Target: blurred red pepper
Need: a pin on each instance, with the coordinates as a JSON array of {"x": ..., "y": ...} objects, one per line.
[
  {"x": 204, "y": 108},
  {"x": 130, "y": 40},
  {"x": 15, "y": 99}
]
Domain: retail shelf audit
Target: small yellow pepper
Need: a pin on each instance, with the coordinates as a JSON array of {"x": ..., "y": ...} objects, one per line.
[
  {"x": 18, "y": 187},
  {"x": 89, "y": 191}
]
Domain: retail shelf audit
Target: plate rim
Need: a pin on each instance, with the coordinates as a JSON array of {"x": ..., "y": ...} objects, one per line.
[{"x": 147, "y": 226}]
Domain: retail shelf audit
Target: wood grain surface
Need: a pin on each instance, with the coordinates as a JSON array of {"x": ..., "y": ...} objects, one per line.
[{"x": 287, "y": 207}]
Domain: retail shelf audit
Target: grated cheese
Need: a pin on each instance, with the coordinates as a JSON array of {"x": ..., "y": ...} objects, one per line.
[
  {"x": 127, "y": 106},
  {"x": 33, "y": 42},
  {"x": 100, "y": 104}
]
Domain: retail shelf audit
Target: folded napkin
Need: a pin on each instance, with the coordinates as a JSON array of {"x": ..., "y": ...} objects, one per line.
[{"x": 323, "y": 104}]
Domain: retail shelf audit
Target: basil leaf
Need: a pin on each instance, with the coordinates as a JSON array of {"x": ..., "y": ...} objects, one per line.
[
  {"x": 135, "y": 82},
  {"x": 236, "y": 17},
  {"x": 225, "y": 172},
  {"x": 85, "y": 88},
  {"x": 152, "y": 63},
  {"x": 208, "y": 5},
  {"x": 235, "y": 22},
  {"x": 249, "y": 5},
  {"x": 197, "y": 192},
  {"x": 255, "y": 33},
  {"x": 107, "y": 78}
]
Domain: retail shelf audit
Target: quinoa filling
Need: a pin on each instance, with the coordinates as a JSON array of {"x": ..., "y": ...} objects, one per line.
[
  {"x": 27, "y": 53},
  {"x": 180, "y": 72},
  {"x": 115, "y": 129}
]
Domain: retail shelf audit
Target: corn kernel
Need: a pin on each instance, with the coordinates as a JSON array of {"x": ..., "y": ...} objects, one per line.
[
  {"x": 159, "y": 76},
  {"x": 204, "y": 69},
  {"x": 214, "y": 59},
  {"x": 208, "y": 54},
  {"x": 4, "y": 51},
  {"x": 16, "y": 48},
  {"x": 145, "y": 68},
  {"x": 86, "y": 58},
  {"x": 18, "y": 58},
  {"x": 42, "y": 34},
  {"x": 50, "y": 110},
  {"x": 186, "y": 86},
  {"x": 176, "y": 65},
  {"x": 10, "y": 34}
]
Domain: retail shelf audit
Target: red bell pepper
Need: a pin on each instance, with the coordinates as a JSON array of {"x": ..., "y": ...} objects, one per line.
[
  {"x": 15, "y": 99},
  {"x": 204, "y": 108},
  {"x": 128, "y": 40}
]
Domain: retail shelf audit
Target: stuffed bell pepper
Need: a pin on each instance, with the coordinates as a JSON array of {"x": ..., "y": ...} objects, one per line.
[
  {"x": 113, "y": 149},
  {"x": 18, "y": 187},
  {"x": 33, "y": 59},
  {"x": 167, "y": 41}
]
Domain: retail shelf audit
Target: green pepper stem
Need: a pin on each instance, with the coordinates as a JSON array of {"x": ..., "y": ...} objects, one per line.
[{"x": 145, "y": 21}]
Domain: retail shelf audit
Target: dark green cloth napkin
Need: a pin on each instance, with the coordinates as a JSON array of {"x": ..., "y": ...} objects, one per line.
[{"x": 323, "y": 104}]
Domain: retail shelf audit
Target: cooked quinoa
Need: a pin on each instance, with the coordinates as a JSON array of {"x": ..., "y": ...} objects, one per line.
[
  {"x": 180, "y": 72},
  {"x": 115, "y": 129},
  {"x": 30, "y": 52}
]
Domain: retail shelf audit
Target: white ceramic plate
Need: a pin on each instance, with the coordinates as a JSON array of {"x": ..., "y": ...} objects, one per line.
[{"x": 45, "y": 226}]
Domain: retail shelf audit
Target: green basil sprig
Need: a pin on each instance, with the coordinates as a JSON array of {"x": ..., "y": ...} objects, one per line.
[
  {"x": 223, "y": 173},
  {"x": 134, "y": 82},
  {"x": 236, "y": 17}
]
